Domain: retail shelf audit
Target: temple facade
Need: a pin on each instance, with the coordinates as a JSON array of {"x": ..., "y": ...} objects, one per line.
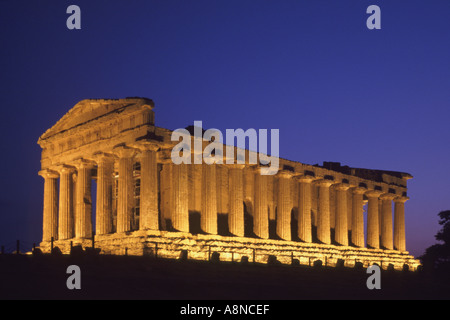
[{"x": 109, "y": 182}]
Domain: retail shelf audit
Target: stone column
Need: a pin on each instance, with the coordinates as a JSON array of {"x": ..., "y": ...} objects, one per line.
[
  {"x": 236, "y": 199},
  {"x": 180, "y": 199},
  {"x": 399, "y": 223},
  {"x": 50, "y": 218},
  {"x": 103, "y": 217},
  {"x": 323, "y": 212},
  {"x": 149, "y": 188},
  {"x": 358, "y": 217},
  {"x": 125, "y": 192},
  {"x": 83, "y": 213},
  {"x": 304, "y": 208},
  {"x": 373, "y": 235},
  {"x": 208, "y": 218},
  {"x": 261, "y": 212},
  {"x": 386, "y": 221},
  {"x": 284, "y": 206},
  {"x": 66, "y": 219},
  {"x": 341, "y": 230}
]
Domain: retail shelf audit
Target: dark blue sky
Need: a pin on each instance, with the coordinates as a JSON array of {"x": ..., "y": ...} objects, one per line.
[{"x": 337, "y": 91}]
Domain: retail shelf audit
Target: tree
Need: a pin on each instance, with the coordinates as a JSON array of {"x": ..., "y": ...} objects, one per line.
[{"x": 437, "y": 257}]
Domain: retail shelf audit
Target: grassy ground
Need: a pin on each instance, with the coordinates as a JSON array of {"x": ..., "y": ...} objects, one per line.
[{"x": 115, "y": 277}]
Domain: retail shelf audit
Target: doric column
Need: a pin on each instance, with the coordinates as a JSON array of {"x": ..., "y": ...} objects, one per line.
[
  {"x": 50, "y": 218},
  {"x": 386, "y": 221},
  {"x": 149, "y": 188},
  {"x": 236, "y": 199},
  {"x": 341, "y": 229},
  {"x": 261, "y": 212},
  {"x": 66, "y": 219},
  {"x": 180, "y": 199},
  {"x": 323, "y": 212},
  {"x": 103, "y": 216},
  {"x": 304, "y": 208},
  {"x": 373, "y": 234},
  {"x": 399, "y": 223},
  {"x": 208, "y": 218},
  {"x": 284, "y": 206},
  {"x": 358, "y": 217},
  {"x": 125, "y": 192},
  {"x": 83, "y": 213}
]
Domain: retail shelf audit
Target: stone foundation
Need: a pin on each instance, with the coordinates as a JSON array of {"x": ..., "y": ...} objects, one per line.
[{"x": 170, "y": 245}]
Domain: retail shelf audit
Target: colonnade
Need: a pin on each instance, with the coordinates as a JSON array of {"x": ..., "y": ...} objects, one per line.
[{"x": 72, "y": 218}]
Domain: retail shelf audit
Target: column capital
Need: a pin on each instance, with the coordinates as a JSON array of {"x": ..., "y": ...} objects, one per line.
[
  {"x": 342, "y": 186},
  {"x": 146, "y": 151},
  {"x": 401, "y": 199},
  {"x": 373, "y": 193},
  {"x": 101, "y": 157},
  {"x": 83, "y": 163},
  {"x": 359, "y": 190},
  {"x": 387, "y": 196},
  {"x": 48, "y": 173},
  {"x": 124, "y": 151},
  {"x": 285, "y": 174},
  {"x": 305, "y": 178},
  {"x": 65, "y": 168},
  {"x": 324, "y": 182},
  {"x": 254, "y": 168},
  {"x": 145, "y": 145}
]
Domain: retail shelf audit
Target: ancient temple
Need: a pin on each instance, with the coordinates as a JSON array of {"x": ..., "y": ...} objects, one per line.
[{"x": 144, "y": 204}]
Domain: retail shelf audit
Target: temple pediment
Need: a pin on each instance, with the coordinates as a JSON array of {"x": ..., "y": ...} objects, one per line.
[{"x": 93, "y": 109}]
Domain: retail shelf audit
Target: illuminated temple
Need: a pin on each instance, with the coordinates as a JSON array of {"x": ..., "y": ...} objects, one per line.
[{"x": 110, "y": 183}]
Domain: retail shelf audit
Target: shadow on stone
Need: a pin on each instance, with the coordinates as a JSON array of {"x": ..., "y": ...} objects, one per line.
[
  {"x": 222, "y": 225},
  {"x": 183, "y": 255},
  {"x": 358, "y": 266},
  {"x": 56, "y": 252},
  {"x": 318, "y": 264},
  {"x": 92, "y": 251},
  {"x": 272, "y": 260},
  {"x": 194, "y": 222},
  {"x": 215, "y": 257},
  {"x": 340, "y": 264}
]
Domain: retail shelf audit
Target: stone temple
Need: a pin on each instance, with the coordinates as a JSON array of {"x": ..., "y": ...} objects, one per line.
[{"x": 110, "y": 183}]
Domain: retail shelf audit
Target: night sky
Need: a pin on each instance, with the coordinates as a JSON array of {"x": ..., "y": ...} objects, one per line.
[{"x": 337, "y": 91}]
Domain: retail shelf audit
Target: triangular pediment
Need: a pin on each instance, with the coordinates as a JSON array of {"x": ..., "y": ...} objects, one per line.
[{"x": 91, "y": 109}]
